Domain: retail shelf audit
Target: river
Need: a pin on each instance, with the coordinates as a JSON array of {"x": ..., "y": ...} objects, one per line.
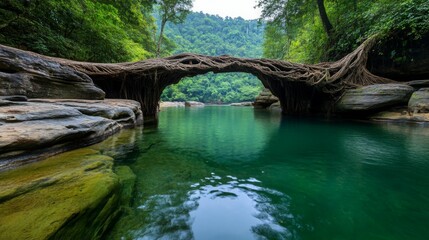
[{"x": 236, "y": 173}]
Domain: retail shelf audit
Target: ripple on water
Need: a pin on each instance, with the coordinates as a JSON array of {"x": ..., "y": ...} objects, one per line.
[{"x": 237, "y": 209}]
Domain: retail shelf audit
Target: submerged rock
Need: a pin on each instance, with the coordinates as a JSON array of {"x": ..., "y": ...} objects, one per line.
[
  {"x": 374, "y": 97},
  {"x": 127, "y": 179},
  {"x": 40, "y": 128},
  {"x": 419, "y": 101},
  {"x": 194, "y": 104},
  {"x": 276, "y": 107},
  {"x": 401, "y": 116}
]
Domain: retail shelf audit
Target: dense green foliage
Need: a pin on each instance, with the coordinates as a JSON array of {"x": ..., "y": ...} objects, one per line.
[
  {"x": 174, "y": 11},
  {"x": 126, "y": 30},
  {"x": 99, "y": 31},
  {"x": 213, "y": 35},
  {"x": 296, "y": 32}
]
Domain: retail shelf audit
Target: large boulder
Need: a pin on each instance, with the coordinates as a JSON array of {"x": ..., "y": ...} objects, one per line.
[
  {"x": 418, "y": 84},
  {"x": 123, "y": 111},
  {"x": 194, "y": 104},
  {"x": 265, "y": 99},
  {"x": 374, "y": 98},
  {"x": 74, "y": 195},
  {"x": 30, "y": 74},
  {"x": 41, "y": 128},
  {"x": 241, "y": 104},
  {"x": 419, "y": 101},
  {"x": 171, "y": 104}
]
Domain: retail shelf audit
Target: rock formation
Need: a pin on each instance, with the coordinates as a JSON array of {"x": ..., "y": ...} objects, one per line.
[
  {"x": 35, "y": 129},
  {"x": 419, "y": 101},
  {"x": 242, "y": 104},
  {"x": 265, "y": 99},
  {"x": 74, "y": 195},
  {"x": 299, "y": 87},
  {"x": 374, "y": 98},
  {"x": 35, "y": 77},
  {"x": 194, "y": 104}
]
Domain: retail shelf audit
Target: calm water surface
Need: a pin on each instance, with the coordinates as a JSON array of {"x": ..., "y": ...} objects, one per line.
[{"x": 235, "y": 173}]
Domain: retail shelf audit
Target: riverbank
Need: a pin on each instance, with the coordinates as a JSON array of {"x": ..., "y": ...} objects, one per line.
[
  {"x": 38, "y": 128},
  {"x": 76, "y": 194},
  {"x": 71, "y": 193}
]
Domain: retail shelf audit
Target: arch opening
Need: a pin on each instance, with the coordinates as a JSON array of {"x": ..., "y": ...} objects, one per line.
[{"x": 210, "y": 88}]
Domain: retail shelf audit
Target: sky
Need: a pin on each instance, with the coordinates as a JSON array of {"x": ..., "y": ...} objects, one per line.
[{"x": 231, "y": 8}]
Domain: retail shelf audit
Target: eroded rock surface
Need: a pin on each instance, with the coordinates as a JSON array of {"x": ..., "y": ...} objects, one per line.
[
  {"x": 374, "y": 97},
  {"x": 419, "y": 101},
  {"x": 74, "y": 195},
  {"x": 194, "y": 104},
  {"x": 242, "y": 104},
  {"x": 418, "y": 83},
  {"x": 26, "y": 73},
  {"x": 43, "y": 127},
  {"x": 401, "y": 116},
  {"x": 265, "y": 99},
  {"x": 171, "y": 104}
]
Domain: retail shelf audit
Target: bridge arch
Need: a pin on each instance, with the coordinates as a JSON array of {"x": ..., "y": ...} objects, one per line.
[{"x": 301, "y": 88}]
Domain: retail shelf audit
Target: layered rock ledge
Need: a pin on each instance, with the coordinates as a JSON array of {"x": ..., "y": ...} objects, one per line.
[
  {"x": 74, "y": 195},
  {"x": 38, "y": 128}
]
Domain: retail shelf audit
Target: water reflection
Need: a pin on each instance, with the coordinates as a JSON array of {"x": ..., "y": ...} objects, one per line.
[
  {"x": 217, "y": 131},
  {"x": 122, "y": 147},
  {"x": 222, "y": 173},
  {"x": 239, "y": 207},
  {"x": 214, "y": 208}
]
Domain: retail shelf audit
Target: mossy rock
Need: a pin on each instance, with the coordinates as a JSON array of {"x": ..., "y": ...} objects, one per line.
[
  {"x": 74, "y": 195},
  {"x": 374, "y": 98},
  {"x": 127, "y": 179},
  {"x": 419, "y": 101}
]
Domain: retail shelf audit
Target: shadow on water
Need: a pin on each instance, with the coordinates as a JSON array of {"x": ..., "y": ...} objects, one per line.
[
  {"x": 222, "y": 173},
  {"x": 351, "y": 180}
]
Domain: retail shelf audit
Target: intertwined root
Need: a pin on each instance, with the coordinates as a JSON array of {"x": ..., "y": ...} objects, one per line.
[{"x": 295, "y": 84}]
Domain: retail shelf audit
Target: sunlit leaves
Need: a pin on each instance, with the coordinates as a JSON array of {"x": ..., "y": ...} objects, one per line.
[
  {"x": 100, "y": 31},
  {"x": 296, "y": 34}
]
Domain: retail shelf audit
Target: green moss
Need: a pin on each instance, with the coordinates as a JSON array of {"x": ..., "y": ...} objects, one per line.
[
  {"x": 74, "y": 192},
  {"x": 127, "y": 178}
]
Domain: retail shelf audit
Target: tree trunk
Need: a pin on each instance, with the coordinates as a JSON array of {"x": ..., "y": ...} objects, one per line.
[
  {"x": 324, "y": 17},
  {"x": 161, "y": 33}
]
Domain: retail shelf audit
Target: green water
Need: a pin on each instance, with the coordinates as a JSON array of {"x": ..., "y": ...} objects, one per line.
[{"x": 233, "y": 173}]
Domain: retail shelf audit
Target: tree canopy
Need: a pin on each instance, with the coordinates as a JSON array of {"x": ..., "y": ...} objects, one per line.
[
  {"x": 296, "y": 30},
  {"x": 174, "y": 11},
  {"x": 98, "y": 31},
  {"x": 212, "y": 35}
]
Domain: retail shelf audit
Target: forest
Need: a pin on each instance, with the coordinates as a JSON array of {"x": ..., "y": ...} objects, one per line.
[
  {"x": 212, "y": 35},
  {"x": 304, "y": 31},
  {"x": 310, "y": 31}
]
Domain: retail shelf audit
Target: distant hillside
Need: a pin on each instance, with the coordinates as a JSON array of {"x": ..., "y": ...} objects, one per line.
[{"x": 213, "y": 35}]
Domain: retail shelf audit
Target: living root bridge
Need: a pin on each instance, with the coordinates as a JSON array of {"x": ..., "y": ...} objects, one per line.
[{"x": 300, "y": 88}]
